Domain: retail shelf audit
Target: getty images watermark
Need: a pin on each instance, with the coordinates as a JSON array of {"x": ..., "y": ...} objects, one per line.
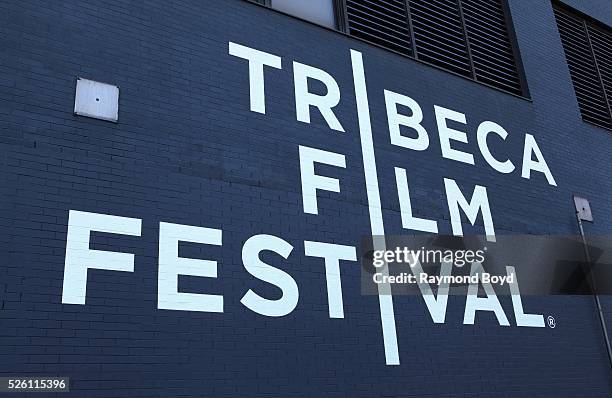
[
  {"x": 540, "y": 264},
  {"x": 412, "y": 258}
]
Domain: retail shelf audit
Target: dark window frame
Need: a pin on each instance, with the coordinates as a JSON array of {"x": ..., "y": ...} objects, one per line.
[
  {"x": 342, "y": 27},
  {"x": 588, "y": 24},
  {"x": 339, "y": 13}
]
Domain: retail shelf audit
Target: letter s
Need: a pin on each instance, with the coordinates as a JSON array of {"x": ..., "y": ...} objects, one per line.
[{"x": 250, "y": 258}]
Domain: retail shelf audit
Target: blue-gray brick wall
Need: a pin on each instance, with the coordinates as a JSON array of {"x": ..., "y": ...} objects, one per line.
[{"x": 188, "y": 150}]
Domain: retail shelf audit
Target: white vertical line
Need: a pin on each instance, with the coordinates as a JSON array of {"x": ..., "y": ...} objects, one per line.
[{"x": 385, "y": 299}]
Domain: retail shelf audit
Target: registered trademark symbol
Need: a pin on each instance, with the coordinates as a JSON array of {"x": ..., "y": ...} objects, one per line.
[{"x": 551, "y": 322}]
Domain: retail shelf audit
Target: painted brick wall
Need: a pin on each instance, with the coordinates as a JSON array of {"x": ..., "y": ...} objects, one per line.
[{"x": 188, "y": 150}]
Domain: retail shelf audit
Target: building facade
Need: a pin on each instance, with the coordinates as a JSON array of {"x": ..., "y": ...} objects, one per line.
[{"x": 226, "y": 110}]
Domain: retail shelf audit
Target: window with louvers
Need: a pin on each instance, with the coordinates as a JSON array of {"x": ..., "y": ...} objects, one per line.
[
  {"x": 588, "y": 51},
  {"x": 492, "y": 50},
  {"x": 382, "y": 22},
  {"x": 439, "y": 34},
  {"x": 468, "y": 37}
]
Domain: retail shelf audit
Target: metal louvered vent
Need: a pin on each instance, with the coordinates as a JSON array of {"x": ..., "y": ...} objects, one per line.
[
  {"x": 468, "y": 37},
  {"x": 439, "y": 34},
  {"x": 491, "y": 48},
  {"x": 601, "y": 42},
  {"x": 382, "y": 22},
  {"x": 588, "y": 50}
]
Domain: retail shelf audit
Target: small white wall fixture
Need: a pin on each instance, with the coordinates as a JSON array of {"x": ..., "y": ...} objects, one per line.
[{"x": 96, "y": 100}]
